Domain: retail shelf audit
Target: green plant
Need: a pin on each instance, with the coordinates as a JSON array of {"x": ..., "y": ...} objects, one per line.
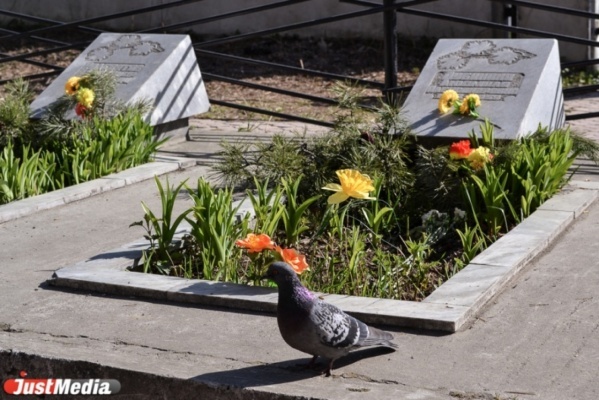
[
  {"x": 14, "y": 113},
  {"x": 268, "y": 207},
  {"x": 103, "y": 146},
  {"x": 488, "y": 198},
  {"x": 28, "y": 175},
  {"x": 214, "y": 229},
  {"x": 540, "y": 167},
  {"x": 293, "y": 216},
  {"x": 473, "y": 242},
  {"x": 377, "y": 217},
  {"x": 163, "y": 254}
]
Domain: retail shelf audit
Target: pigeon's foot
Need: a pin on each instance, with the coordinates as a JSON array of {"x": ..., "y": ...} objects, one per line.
[{"x": 327, "y": 372}]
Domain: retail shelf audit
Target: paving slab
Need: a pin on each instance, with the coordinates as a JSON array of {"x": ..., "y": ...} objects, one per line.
[{"x": 537, "y": 339}]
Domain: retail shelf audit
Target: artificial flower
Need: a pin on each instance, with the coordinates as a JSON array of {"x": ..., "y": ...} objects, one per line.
[
  {"x": 447, "y": 99},
  {"x": 293, "y": 258},
  {"x": 81, "y": 110},
  {"x": 479, "y": 157},
  {"x": 469, "y": 104},
  {"x": 256, "y": 243},
  {"x": 460, "y": 150},
  {"x": 72, "y": 85},
  {"x": 86, "y": 97},
  {"x": 353, "y": 184}
]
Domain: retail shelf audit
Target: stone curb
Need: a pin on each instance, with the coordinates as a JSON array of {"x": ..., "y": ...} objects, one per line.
[
  {"x": 448, "y": 308},
  {"x": 160, "y": 166}
]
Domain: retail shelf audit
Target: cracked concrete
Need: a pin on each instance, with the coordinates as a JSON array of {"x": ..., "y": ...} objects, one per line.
[{"x": 538, "y": 339}]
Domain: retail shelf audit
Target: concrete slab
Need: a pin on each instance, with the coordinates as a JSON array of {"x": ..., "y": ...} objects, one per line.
[{"x": 526, "y": 240}]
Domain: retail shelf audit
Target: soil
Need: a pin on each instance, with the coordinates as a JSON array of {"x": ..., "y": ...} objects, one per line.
[{"x": 355, "y": 58}]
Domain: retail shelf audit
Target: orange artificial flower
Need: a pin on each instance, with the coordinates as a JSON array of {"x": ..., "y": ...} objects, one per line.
[
  {"x": 460, "y": 150},
  {"x": 256, "y": 243},
  {"x": 72, "y": 85},
  {"x": 293, "y": 258}
]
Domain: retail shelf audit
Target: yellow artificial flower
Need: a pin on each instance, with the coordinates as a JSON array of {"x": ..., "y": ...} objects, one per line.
[
  {"x": 469, "y": 104},
  {"x": 447, "y": 99},
  {"x": 72, "y": 85},
  {"x": 86, "y": 97},
  {"x": 479, "y": 157},
  {"x": 353, "y": 184}
]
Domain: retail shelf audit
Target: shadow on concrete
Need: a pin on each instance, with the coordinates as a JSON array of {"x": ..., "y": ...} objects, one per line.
[{"x": 286, "y": 371}]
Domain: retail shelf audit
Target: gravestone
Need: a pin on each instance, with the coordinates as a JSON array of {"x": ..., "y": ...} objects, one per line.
[
  {"x": 518, "y": 81},
  {"x": 161, "y": 69}
]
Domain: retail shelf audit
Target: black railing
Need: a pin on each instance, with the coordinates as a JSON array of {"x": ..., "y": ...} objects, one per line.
[{"x": 387, "y": 9}]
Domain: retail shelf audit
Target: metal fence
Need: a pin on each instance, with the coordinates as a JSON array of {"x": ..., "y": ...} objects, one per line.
[{"x": 387, "y": 10}]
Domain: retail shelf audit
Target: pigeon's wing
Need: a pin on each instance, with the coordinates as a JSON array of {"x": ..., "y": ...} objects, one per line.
[{"x": 337, "y": 329}]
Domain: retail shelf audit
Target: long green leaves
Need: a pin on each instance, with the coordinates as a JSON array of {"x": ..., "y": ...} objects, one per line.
[
  {"x": 28, "y": 175},
  {"x": 215, "y": 229},
  {"x": 293, "y": 217},
  {"x": 96, "y": 148},
  {"x": 163, "y": 254}
]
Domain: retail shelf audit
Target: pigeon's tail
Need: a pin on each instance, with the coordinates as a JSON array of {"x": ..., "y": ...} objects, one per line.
[{"x": 377, "y": 337}]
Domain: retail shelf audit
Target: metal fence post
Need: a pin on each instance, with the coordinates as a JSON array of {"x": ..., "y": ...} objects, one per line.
[{"x": 390, "y": 32}]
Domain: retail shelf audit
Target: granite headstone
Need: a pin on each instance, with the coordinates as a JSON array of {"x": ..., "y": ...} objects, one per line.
[
  {"x": 518, "y": 81},
  {"x": 161, "y": 69}
]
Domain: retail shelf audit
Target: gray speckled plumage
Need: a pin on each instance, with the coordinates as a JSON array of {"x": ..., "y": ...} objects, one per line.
[{"x": 312, "y": 326}]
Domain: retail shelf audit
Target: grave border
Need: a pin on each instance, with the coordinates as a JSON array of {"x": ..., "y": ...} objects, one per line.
[{"x": 449, "y": 308}]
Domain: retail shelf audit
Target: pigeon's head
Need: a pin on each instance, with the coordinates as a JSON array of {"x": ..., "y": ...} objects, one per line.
[{"x": 280, "y": 273}]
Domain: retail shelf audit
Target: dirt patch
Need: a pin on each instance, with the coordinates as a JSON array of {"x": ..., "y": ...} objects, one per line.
[{"x": 355, "y": 58}]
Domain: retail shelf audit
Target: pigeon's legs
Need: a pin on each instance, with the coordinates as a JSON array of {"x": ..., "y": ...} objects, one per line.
[{"x": 329, "y": 370}]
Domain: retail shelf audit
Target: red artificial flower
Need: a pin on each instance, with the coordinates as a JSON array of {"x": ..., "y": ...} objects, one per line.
[
  {"x": 460, "y": 150},
  {"x": 81, "y": 110}
]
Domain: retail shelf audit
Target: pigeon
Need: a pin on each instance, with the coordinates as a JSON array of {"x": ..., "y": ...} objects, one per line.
[{"x": 313, "y": 326}]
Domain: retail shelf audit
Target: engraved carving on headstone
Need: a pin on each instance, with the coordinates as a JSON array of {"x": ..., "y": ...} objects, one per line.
[
  {"x": 482, "y": 50},
  {"x": 488, "y": 85},
  {"x": 134, "y": 46},
  {"x": 495, "y": 86},
  {"x": 134, "y": 43}
]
